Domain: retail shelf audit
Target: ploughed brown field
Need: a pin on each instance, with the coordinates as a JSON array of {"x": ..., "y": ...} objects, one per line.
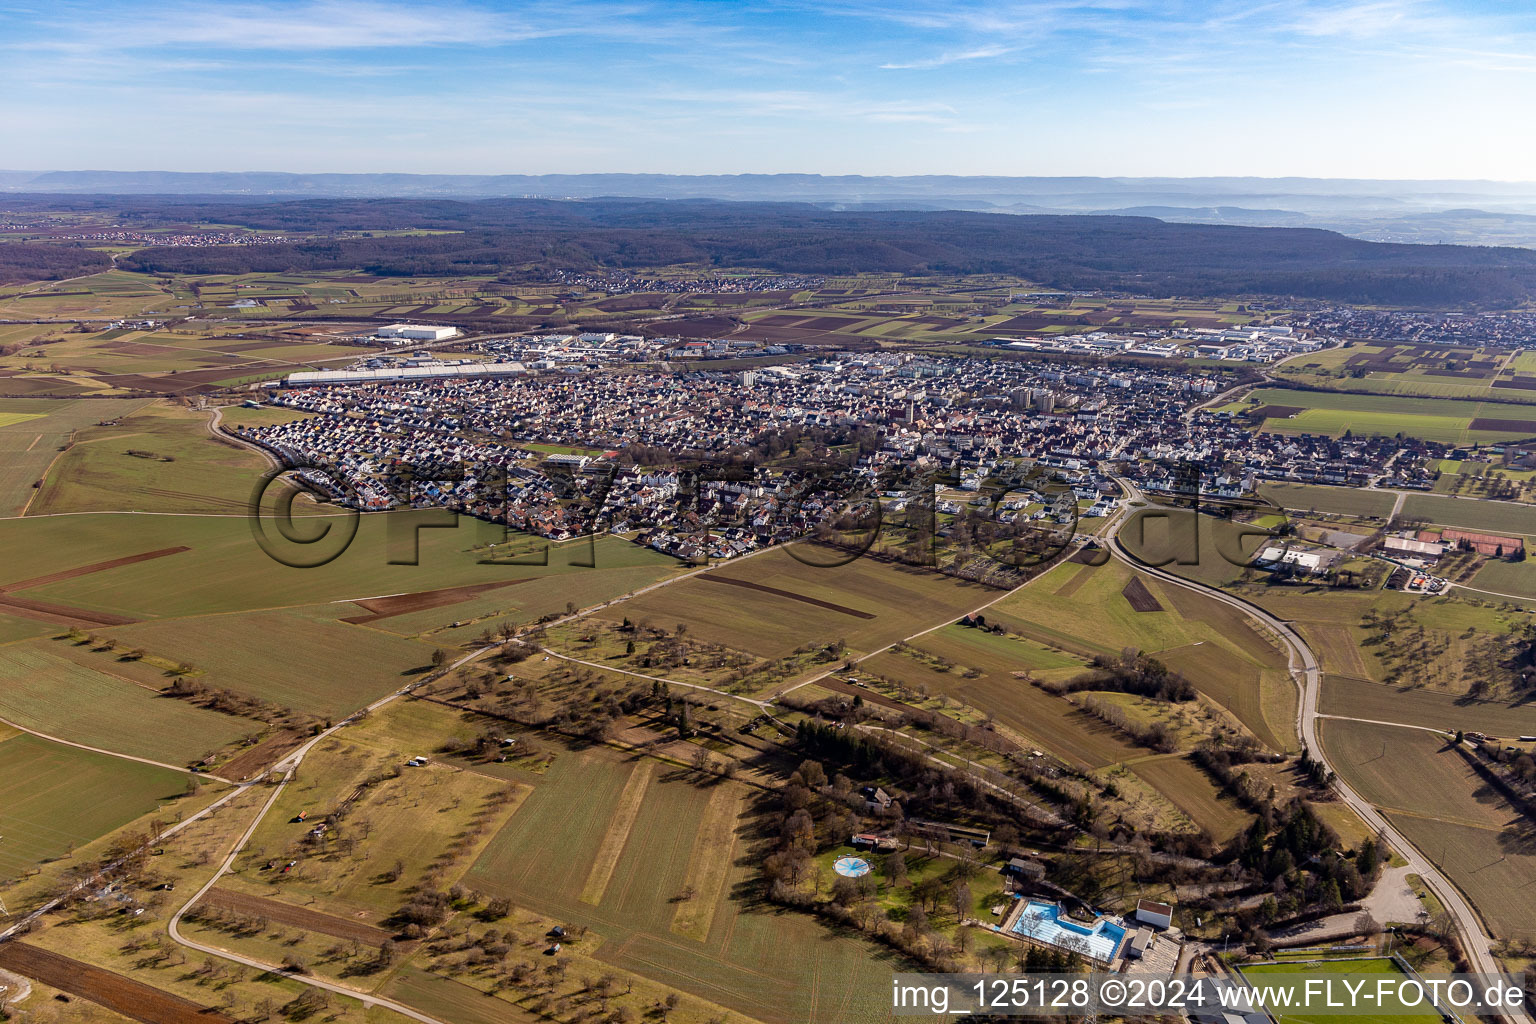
[
  {"x": 123, "y": 995},
  {"x": 1139, "y": 596},
  {"x": 86, "y": 570},
  {"x": 421, "y": 600},
  {"x": 297, "y": 917},
  {"x": 59, "y": 614},
  {"x": 761, "y": 588},
  {"x": 1509, "y": 426}
]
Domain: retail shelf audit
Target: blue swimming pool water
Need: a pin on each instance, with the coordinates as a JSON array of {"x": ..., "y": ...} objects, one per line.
[{"x": 1043, "y": 922}]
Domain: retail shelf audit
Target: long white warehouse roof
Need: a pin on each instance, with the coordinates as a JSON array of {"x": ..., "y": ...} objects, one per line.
[{"x": 403, "y": 373}]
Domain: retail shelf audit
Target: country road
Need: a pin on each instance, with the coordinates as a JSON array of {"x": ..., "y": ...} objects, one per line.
[{"x": 1307, "y": 675}]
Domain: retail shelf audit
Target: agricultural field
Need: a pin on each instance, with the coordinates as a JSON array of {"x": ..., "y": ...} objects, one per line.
[
  {"x": 1190, "y": 790},
  {"x": 162, "y": 458},
  {"x": 42, "y": 689},
  {"x": 1203, "y": 548},
  {"x": 1444, "y": 643},
  {"x": 112, "y": 294},
  {"x": 432, "y": 820},
  {"x": 54, "y": 798},
  {"x": 1025, "y": 710},
  {"x": 1449, "y": 421},
  {"x": 1431, "y": 371},
  {"x": 1433, "y": 709},
  {"x": 770, "y": 604},
  {"x": 1447, "y": 811},
  {"x": 191, "y": 358},
  {"x": 294, "y": 658},
  {"x": 1243, "y": 670},
  {"x": 643, "y": 855},
  {"x": 1470, "y": 514},
  {"x": 1344, "y": 501},
  {"x": 1503, "y": 577},
  {"x": 32, "y": 430},
  {"x": 226, "y": 570}
]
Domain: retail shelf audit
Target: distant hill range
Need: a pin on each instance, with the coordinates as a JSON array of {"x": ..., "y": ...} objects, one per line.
[
  {"x": 1464, "y": 212},
  {"x": 519, "y": 238}
]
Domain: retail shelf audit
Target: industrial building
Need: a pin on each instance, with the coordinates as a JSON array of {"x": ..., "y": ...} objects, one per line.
[
  {"x": 423, "y": 371},
  {"x": 416, "y": 332}
]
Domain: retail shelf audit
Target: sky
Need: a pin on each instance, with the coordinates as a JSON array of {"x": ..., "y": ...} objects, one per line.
[{"x": 1331, "y": 88}]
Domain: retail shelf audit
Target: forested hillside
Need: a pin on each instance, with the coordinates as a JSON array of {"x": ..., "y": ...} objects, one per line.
[
  {"x": 27, "y": 261},
  {"x": 1135, "y": 254}
]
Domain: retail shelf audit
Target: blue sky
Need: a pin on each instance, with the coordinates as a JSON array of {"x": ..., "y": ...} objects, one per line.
[{"x": 1344, "y": 88}]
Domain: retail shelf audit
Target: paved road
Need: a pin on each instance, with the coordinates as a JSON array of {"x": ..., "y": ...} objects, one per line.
[{"x": 1307, "y": 675}]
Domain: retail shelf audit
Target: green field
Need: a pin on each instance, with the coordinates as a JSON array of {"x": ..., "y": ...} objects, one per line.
[
  {"x": 1501, "y": 577},
  {"x": 1191, "y": 791},
  {"x": 43, "y": 690},
  {"x": 1445, "y": 809},
  {"x": 1446, "y": 420},
  {"x": 1203, "y": 548},
  {"x": 179, "y": 467},
  {"x": 1472, "y": 514},
  {"x": 31, "y": 432},
  {"x": 543, "y": 858},
  {"x": 54, "y": 798},
  {"x": 891, "y": 601},
  {"x": 226, "y": 570},
  {"x": 1288, "y": 976},
  {"x": 1434, "y": 709},
  {"x": 294, "y": 658},
  {"x": 1216, "y": 646},
  {"x": 1348, "y": 501}
]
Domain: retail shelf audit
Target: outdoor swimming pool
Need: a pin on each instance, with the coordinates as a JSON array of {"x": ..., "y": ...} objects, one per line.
[{"x": 1043, "y": 922}]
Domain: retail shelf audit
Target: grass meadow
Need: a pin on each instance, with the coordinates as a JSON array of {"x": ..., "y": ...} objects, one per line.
[
  {"x": 54, "y": 798},
  {"x": 679, "y": 835},
  {"x": 42, "y": 689},
  {"x": 32, "y": 430},
  {"x": 179, "y": 467},
  {"x": 1486, "y": 846}
]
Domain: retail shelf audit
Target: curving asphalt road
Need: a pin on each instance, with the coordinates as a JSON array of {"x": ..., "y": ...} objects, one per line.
[{"x": 1307, "y": 675}]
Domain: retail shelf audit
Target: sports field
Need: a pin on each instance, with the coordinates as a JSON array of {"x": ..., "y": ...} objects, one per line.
[
  {"x": 54, "y": 798},
  {"x": 680, "y": 835},
  {"x": 1287, "y": 976}
]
